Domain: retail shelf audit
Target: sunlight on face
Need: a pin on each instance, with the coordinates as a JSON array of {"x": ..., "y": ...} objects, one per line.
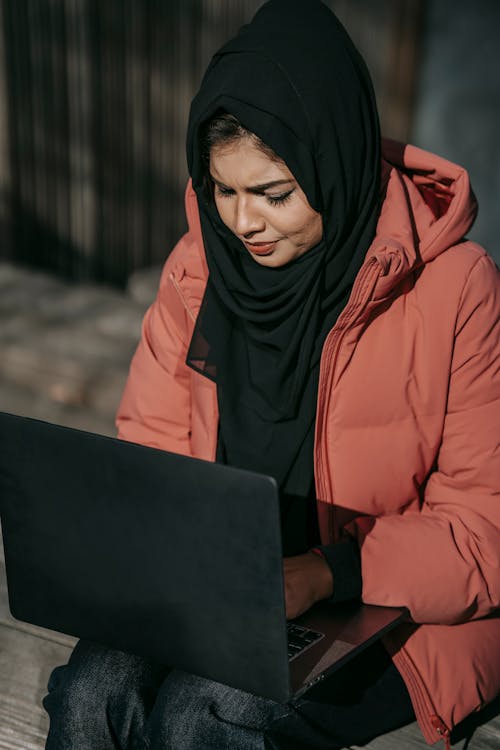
[{"x": 259, "y": 200}]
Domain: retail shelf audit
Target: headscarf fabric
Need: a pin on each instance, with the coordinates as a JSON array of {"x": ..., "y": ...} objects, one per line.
[{"x": 294, "y": 78}]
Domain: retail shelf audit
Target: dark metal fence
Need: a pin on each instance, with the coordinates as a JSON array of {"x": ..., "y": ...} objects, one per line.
[{"x": 94, "y": 98}]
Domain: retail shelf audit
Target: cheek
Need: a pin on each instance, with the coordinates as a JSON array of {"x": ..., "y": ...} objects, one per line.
[
  {"x": 317, "y": 229},
  {"x": 309, "y": 230}
]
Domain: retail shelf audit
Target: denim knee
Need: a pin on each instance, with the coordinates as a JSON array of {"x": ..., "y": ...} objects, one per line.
[
  {"x": 193, "y": 713},
  {"x": 99, "y": 700}
]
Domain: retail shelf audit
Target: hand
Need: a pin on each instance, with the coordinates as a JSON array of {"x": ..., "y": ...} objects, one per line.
[{"x": 308, "y": 579}]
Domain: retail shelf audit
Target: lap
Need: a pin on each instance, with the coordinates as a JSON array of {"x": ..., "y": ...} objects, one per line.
[{"x": 145, "y": 705}]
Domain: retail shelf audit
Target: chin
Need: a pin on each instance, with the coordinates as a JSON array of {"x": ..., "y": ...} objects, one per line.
[
  {"x": 276, "y": 259},
  {"x": 270, "y": 261}
]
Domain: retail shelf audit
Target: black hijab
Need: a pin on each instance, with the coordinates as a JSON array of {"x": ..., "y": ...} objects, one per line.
[{"x": 294, "y": 78}]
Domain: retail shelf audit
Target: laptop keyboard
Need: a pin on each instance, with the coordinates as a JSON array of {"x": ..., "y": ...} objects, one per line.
[{"x": 299, "y": 639}]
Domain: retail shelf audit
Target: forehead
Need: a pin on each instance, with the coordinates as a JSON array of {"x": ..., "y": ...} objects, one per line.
[{"x": 243, "y": 162}]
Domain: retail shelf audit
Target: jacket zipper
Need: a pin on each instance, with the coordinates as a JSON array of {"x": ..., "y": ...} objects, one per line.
[
  {"x": 360, "y": 296},
  {"x": 429, "y": 721},
  {"x": 442, "y": 730}
]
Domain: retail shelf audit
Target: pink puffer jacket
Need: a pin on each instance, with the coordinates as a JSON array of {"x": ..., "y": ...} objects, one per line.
[{"x": 406, "y": 455}]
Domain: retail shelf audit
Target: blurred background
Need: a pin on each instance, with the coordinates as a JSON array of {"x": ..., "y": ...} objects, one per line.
[{"x": 94, "y": 100}]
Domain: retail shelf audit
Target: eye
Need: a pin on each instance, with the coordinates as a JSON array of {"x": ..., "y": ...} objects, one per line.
[
  {"x": 223, "y": 192},
  {"x": 279, "y": 200}
]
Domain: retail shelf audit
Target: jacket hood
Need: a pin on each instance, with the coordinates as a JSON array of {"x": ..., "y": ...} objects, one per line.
[{"x": 429, "y": 204}]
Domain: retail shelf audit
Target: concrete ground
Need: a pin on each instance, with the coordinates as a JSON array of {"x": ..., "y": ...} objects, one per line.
[{"x": 64, "y": 354}]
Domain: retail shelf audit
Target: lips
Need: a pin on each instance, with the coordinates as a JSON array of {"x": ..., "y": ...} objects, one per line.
[{"x": 261, "y": 248}]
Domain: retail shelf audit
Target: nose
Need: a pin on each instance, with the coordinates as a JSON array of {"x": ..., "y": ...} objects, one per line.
[{"x": 247, "y": 218}]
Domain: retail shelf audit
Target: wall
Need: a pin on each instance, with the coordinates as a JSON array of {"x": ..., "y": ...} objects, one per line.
[
  {"x": 458, "y": 103},
  {"x": 94, "y": 100}
]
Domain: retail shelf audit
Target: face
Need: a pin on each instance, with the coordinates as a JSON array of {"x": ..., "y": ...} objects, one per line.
[{"x": 259, "y": 200}]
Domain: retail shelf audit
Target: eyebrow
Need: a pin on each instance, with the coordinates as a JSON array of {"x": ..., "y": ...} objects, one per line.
[{"x": 256, "y": 188}]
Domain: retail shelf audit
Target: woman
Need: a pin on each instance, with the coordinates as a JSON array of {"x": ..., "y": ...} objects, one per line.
[{"x": 323, "y": 321}]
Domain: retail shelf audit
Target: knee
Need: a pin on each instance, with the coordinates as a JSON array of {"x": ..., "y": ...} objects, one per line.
[
  {"x": 193, "y": 712},
  {"x": 88, "y": 690}
]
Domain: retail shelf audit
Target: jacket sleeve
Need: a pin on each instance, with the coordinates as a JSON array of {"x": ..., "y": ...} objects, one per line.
[
  {"x": 444, "y": 562},
  {"x": 155, "y": 408}
]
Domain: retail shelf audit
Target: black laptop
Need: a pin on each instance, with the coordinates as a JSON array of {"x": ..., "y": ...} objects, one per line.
[{"x": 173, "y": 558}]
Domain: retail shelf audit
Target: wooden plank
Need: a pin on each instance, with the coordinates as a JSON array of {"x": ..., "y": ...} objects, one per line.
[{"x": 26, "y": 661}]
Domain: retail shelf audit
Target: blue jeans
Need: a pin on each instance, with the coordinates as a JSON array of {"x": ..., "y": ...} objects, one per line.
[{"x": 108, "y": 700}]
